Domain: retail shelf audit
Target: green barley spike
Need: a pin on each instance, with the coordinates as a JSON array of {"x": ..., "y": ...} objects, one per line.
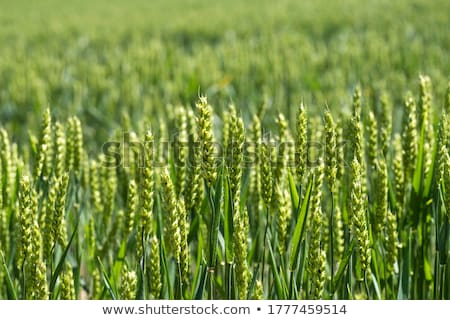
[
  {"x": 7, "y": 168},
  {"x": 266, "y": 174},
  {"x": 356, "y": 130},
  {"x": 240, "y": 235},
  {"x": 85, "y": 170},
  {"x": 206, "y": 140},
  {"x": 320, "y": 277},
  {"x": 45, "y": 153},
  {"x": 155, "y": 269},
  {"x": 356, "y": 103},
  {"x": 132, "y": 202},
  {"x": 132, "y": 167},
  {"x": 255, "y": 154},
  {"x": 315, "y": 266},
  {"x": 16, "y": 165},
  {"x": 59, "y": 228},
  {"x": 35, "y": 269},
  {"x": 424, "y": 106},
  {"x": 94, "y": 185},
  {"x": 194, "y": 186},
  {"x": 4, "y": 221},
  {"x": 184, "y": 249},
  {"x": 425, "y": 120},
  {"x": 49, "y": 216},
  {"x": 25, "y": 219},
  {"x": 301, "y": 143},
  {"x": 108, "y": 179},
  {"x": 283, "y": 218},
  {"x": 146, "y": 194},
  {"x": 74, "y": 145},
  {"x": 60, "y": 149},
  {"x": 96, "y": 284},
  {"x": 229, "y": 116},
  {"x": 442, "y": 158},
  {"x": 358, "y": 216},
  {"x": 372, "y": 140},
  {"x": 409, "y": 137},
  {"x": 447, "y": 184},
  {"x": 338, "y": 233},
  {"x": 330, "y": 151},
  {"x": 236, "y": 149},
  {"x": 391, "y": 242},
  {"x": 67, "y": 284},
  {"x": 40, "y": 287},
  {"x": 282, "y": 156},
  {"x": 315, "y": 151},
  {"x": 172, "y": 230},
  {"x": 340, "y": 150},
  {"x": 258, "y": 293},
  {"x": 128, "y": 284},
  {"x": 443, "y": 145},
  {"x": 162, "y": 137},
  {"x": 91, "y": 238}
]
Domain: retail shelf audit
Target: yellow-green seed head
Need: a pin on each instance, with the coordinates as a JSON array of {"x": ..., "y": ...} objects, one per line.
[
  {"x": 358, "y": 216},
  {"x": 206, "y": 140},
  {"x": 60, "y": 149},
  {"x": 330, "y": 151},
  {"x": 266, "y": 174},
  {"x": 372, "y": 140},
  {"x": 391, "y": 242},
  {"x": 172, "y": 230},
  {"x": 155, "y": 269},
  {"x": 301, "y": 143},
  {"x": 128, "y": 284},
  {"x": 240, "y": 235},
  {"x": 67, "y": 284},
  {"x": 130, "y": 213}
]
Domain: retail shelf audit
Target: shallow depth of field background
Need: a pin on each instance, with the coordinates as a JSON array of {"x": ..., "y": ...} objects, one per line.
[
  {"x": 100, "y": 60},
  {"x": 130, "y": 66}
]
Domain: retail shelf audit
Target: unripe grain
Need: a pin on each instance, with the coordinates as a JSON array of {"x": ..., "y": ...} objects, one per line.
[
  {"x": 358, "y": 216},
  {"x": 206, "y": 140},
  {"x": 301, "y": 143}
]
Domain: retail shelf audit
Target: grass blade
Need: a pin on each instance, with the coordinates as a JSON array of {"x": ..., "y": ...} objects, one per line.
[
  {"x": 9, "y": 282},
  {"x": 62, "y": 261},
  {"x": 302, "y": 213}
]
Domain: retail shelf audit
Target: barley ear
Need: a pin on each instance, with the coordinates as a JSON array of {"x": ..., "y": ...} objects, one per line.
[
  {"x": 67, "y": 284},
  {"x": 266, "y": 174},
  {"x": 358, "y": 217},
  {"x": 330, "y": 151},
  {"x": 128, "y": 284},
  {"x": 172, "y": 230},
  {"x": 409, "y": 137},
  {"x": 155, "y": 269},
  {"x": 206, "y": 140},
  {"x": 301, "y": 142}
]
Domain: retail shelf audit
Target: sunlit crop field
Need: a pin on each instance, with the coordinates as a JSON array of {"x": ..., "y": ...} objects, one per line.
[{"x": 236, "y": 150}]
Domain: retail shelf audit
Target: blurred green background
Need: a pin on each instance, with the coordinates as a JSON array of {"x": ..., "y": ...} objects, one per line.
[{"x": 119, "y": 64}]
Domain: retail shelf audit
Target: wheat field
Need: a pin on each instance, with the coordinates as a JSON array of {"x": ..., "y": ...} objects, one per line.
[{"x": 190, "y": 150}]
